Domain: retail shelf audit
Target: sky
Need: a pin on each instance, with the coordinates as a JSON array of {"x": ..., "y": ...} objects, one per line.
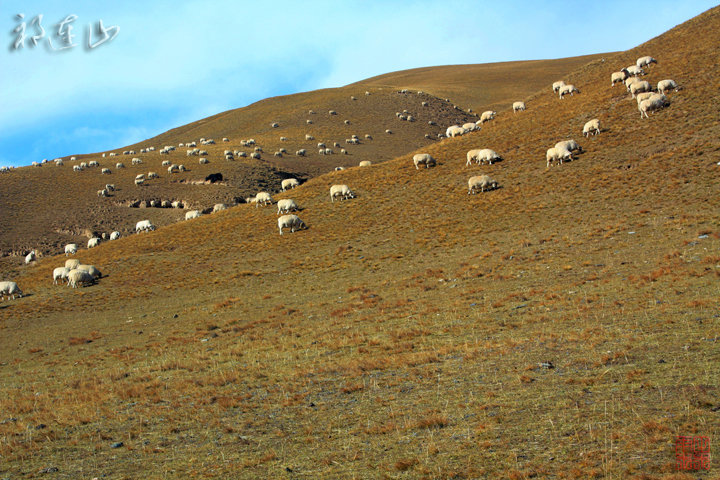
[{"x": 162, "y": 64}]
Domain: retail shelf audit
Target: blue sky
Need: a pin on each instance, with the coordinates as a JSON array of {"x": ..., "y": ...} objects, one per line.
[{"x": 172, "y": 63}]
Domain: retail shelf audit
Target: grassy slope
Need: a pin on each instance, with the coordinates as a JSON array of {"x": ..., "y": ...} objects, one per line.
[{"x": 400, "y": 336}]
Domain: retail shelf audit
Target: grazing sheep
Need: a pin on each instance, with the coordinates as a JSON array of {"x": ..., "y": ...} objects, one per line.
[
  {"x": 423, "y": 159},
  {"x": 339, "y": 169},
  {"x": 114, "y": 235},
  {"x": 255, "y": 155},
  {"x": 274, "y": 125},
  {"x": 309, "y": 137},
  {"x": 454, "y": 130},
  {"x": 570, "y": 145},
  {"x": 8, "y": 289},
  {"x": 301, "y": 152},
  {"x": 619, "y": 77},
  {"x": 79, "y": 277},
  {"x": 165, "y": 163},
  {"x": 30, "y": 257},
  {"x": 72, "y": 263},
  {"x": 629, "y": 81},
  {"x": 642, "y": 86},
  {"x": 289, "y": 183},
  {"x": 153, "y": 175},
  {"x": 518, "y": 106},
  {"x": 219, "y": 206},
  {"x": 139, "y": 181},
  {"x": 103, "y": 193},
  {"x": 106, "y": 171},
  {"x": 91, "y": 269},
  {"x": 60, "y": 273},
  {"x": 204, "y": 161},
  {"x": 368, "y": 136},
  {"x": 292, "y": 222},
  {"x": 388, "y": 131},
  {"x": 93, "y": 242},
  {"x": 487, "y": 116},
  {"x": 481, "y": 156},
  {"x": 83, "y": 165},
  {"x": 592, "y": 127},
  {"x": 645, "y": 61},
  {"x": 365, "y": 163},
  {"x": 342, "y": 191},
  {"x": 141, "y": 226},
  {"x": 482, "y": 182},
  {"x": 556, "y": 86},
  {"x": 568, "y": 89},
  {"x": 192, "y": 214},
  {"x": 634, "y": 70},
  {"x": 556, "y": 154},
  {"x": 643, "y": 96},
  {"x": 263, "y": 198},
  {"x": 177, "y": 204},
  {"x": 655, "y": 102},
  {"x": 332, "y": 112},
  {"x": 665, "y": 85},
  {"x": 469, "y": 127},
  {"x": 328, "y": 151},
  {"x": 71, "y": 249},
  {"x": 286, "y": 205},
  {"x": 173, "y": 168},
  {"x": 92, "y": 163},
  {"x": 77, "y": 168},
  {"x": 136, "y": 161}
]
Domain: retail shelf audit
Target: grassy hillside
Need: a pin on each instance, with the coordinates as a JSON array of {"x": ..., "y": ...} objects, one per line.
[{"x": 564, "y": 325}]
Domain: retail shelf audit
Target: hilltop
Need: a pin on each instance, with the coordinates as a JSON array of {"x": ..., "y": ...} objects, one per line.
[{"x": 563, "y": 325}]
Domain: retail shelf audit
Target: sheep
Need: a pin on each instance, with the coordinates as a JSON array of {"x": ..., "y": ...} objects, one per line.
[
  {"x": 655, "y": 102},
  {"x": 91, "y": 269},
  {"x": 292, "y": 222},
  {"x": 309, "y": 137},
  {"x": 556, "y": 154},
  {"x": 9, "y": 288},
  {"x": 139, "y": 181},
  {"x": 643, "y": 96},
  {"x": 346, "y": 122},
  {"x": 93, "y": 242},
  {"x": 153, "y": 175},
  {"x": 518, "y": 106},
  {"x": 342, "y": 191},
  {"x": 629, "y": 81},
  {"x": 556, "y": 86},
  {"x": 219, "y": 206},
  {"x": 165, "y": 163},
  {"x": 483, "y": 182},
  {"x": 570, "y": 145},
  {"x": 308, "y": 121},
  {"x": 469, "y": 127},
  {"x": 454, "y": 130},
  {"x": 568, "y": 89},
  {"x": 78, "y": 277},
  {"x": 634, "y": 70},
  {"x": 388, "y": 131},
  {"x": 106, "y": 171},
  {"x": 36, "y": 164},
  {"x": 72, "y": 263},
  {"x": 173, "y": 168},
  {"x": 60, "y": 273},
  {"x": 620, "y": 76},
  {"x": 423, "y": 159},
  {"x": 255, "y": 155},
  {"x": 93, "y": 163},
  {"x": 263, "y": 198},
  {"x": 144, "y": 225},
  {"x": 482, "y": 156},
  {"x": 328, "y": 151},
  {"x": 203, "y": 161},
  {"x": 77, "y": 168},
  {"x": 301, "y": 152},
  {"x": 30, "y": 257},
  {"x": 289, "y": 183},
  {"x": 592, "y": 127},
  {"x": 337, "y": 144},
  {"x": 177, "y": 204},
  {"x": 642, "y": 86},
  {"x": 339, "y": 169},
  {"x": 368, "y": 136},
  {"x": 103, "y": 193},
  {"x": 286, "y": 205},
  {"x": 332, "y": 112},
  {"x": 365, "y": 163},
  {"x": 71, "y": 249},
  {"x": 59, "y": 163},
  {"x": 664, "y": 85},
  {"x": 203, "y": 153},
  {"x": 114, "y": 235},
  {"x": 136, "y": 161},
  {"x": 487, "y": 116},
  {"x": 343, "y": 151},
  {"x": 192, "y": 214},
  {"x": 645, "y": 61},
  {"x": 321, "y": 151}
]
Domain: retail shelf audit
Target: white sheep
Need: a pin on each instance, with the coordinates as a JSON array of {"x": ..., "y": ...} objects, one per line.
[
  {"x": 153, "y": 175},
  {"x": 570, "y": 145},
  {"x": 570, "y": 88},
  {"x": 643, "y": 96},
  {"x": 454, "y": 130},
  {"x": 469, "y": 127},
  {"x": 642, "y": 86},
  {"x": 103, "y": 193},
  {"x": 481, "y": 156},
  {"x": 423, "y": 159},
  {"x": 482, "y": 182},
  {"x": 71, "y": 249},
  {"x": 645, "y": 61},
  {"x": 665, "y": 85},
  {"x": 114, "y": 235},
  {"x": 93, "y": 242},
  {"x": 93, "y": 163},
  {"x": 556, "y": 86},
  {"x": 620, "y": 76},
  {"x": 203, "y": 161},
  {"x": 144, "y": 225},
  {"x": 629, "y": 81},
  {"x": 556, "y": 154},
  {"x": 60, "y": 273},
  {"x": 292, "y": 222},
  {"x": 79, "y": 277},
  {"x": 192, "y": 214},
  {"x": 301, "y": 152},
  {"x": 342, "y": 191},
  {"x": 286, "y": 205},
  {"x": 30, "y": 257},
  {"x": 289, "y": 183},
  {"x": 655, "y": 102},
  {"x": 9, "y": 288},
  {"x": 106, "y": 171},
  {"x": 388, "y": 131},
  {"x": 487, "y": 116},
  {"x": 72, "y": 263},
  {"x": 136, "y": 161},
  {"x": 592, "y": 127},
  {"x": 91, "y": 269},
  {"x": 339, "y": 169},
  {"x": 518, "y": 106},
  {"x": 365, "y": 163},
  {"x": 218, "y": 207},
  {"x": 173, "y": 168},
  {"x": 263, "y": 198},
  {"x": 634, "y": 70}
]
